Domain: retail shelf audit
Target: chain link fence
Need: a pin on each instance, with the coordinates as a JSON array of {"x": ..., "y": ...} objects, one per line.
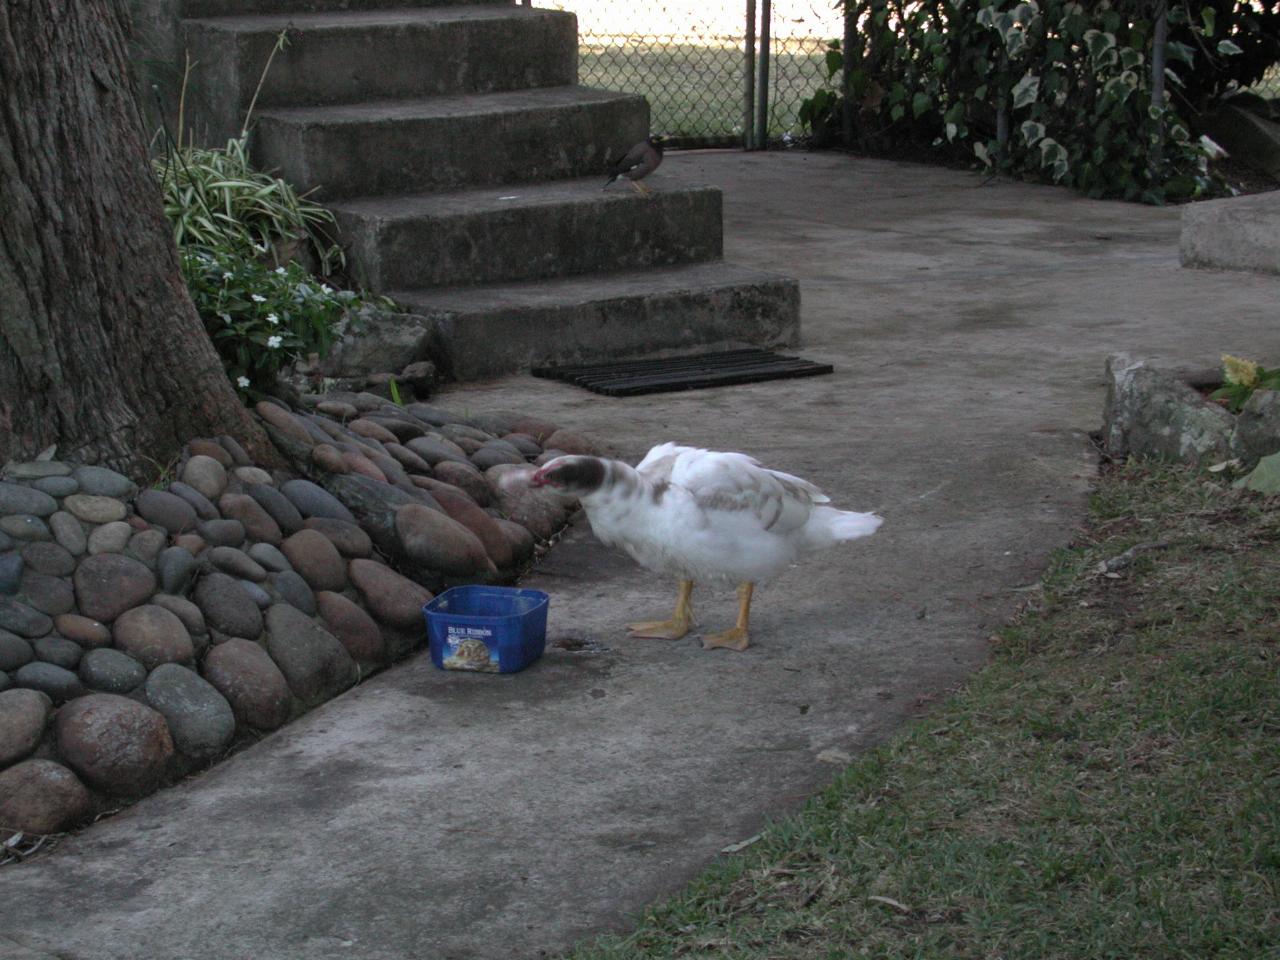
[{"x": 698, "y": 61}]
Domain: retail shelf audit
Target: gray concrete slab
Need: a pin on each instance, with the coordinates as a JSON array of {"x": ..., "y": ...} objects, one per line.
[{"x": 430, "y": 815}]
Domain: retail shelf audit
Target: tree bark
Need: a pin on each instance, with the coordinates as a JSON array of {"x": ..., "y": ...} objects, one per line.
[{"x": 101, "y": 349}]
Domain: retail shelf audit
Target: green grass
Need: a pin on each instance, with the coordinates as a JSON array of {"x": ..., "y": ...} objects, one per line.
[
  {"x": 1109, "y": 786},
  {"x": 696, "y": 90}
]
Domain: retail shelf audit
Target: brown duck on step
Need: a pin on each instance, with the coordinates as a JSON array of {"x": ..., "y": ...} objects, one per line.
[{"x": 640, "y": 161}]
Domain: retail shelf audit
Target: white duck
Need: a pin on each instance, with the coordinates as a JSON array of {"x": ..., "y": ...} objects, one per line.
[{"x": 701, "y": 514}]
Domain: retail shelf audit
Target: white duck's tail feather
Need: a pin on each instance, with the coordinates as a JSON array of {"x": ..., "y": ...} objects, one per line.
[{"x": 827, "y": 526}]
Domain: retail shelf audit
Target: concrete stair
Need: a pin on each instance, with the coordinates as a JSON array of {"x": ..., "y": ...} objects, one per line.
[{"x": 465, "y": 168}]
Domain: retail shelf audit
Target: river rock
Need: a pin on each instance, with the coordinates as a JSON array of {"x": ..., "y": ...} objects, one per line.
[
  {"x": 278, "y": 506},
  {"x": 222, "y": 533},
  {"x": 436, "y": 450},
  {"x": 58, "y": 682},
  {"x": 166, "y": 510},
  {"x": 177, "y": 568},
  {"x": 18, "y": 498},
  {"x": 49, "y": 558},
  {"x": 359, "y": 463},
  {"x": 200, "y": 718},
  {"x": 521, "y": 540},
  {"x": 466, "y": 478},
  {"x": 354, "y": 628},
  {"x": 153, "y": 635},
  {"x": 188, "y": 613},
  {"x": 573, "y": 443},
  {"x": 313, "y": 661},
  {"x": 211, "y": 448},
  {"x": 25, "y": 621},
  {"x": 236, "y": 562},
  {"x": 111, "y": 671},
  {"x": 490, "y": 456},
  {"x": 15, "y": 651},
  {"x": 392, "y": 599},
  {"x": 256, "y": 593},
  {"x": 206, "y": 475},
  {"x": 37, "y": 470},
  {"x": 42, "y": 797},
  {"x": 270, "y": 557},
  {"x": 115, "y": 744},
  {"x": 312, "y": 500},
  {"x": 465, "y": 511},
  {"x": 284, "y": 421},
  {"x": 408, "y": 459},
  {"x": 315, "y": 557},
  {"x": 49, "y": 595},
  {"x": 25, "y": 526},
  {"x": 101, "y": 482},
  {"x": 108, "y": 584},
  {"x": 435, "y": 541},
  {"x": 293, "y": 590},
  {"x": 227, "y": 607},
  {"x": 246, "y": 675},
  {"x": 85, "y": 631},
  {"x": 94, "y": 509},
  {"x": 23, "y": 716},
  {"x": 59, "y": 651},
  {"x": 524, "y": 444},
  {"x": 110, "y": 538},
  {"x": 257, "y": 523},
  {"x": 69, "y": 533},
  {"x": 238, "y": 454},
  {"x": 57, "y": 486},
  {"x": 11, "y": 567},
  {"x": 202, "y": 505},
  {"x": 145, "y": 546}
]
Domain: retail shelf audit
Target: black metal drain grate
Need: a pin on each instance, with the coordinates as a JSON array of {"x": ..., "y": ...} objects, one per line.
[{"x": 633, "y": 377}]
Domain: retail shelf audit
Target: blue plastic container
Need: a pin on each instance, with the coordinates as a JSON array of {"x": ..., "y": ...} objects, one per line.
[{"x": 487, "y": 629}]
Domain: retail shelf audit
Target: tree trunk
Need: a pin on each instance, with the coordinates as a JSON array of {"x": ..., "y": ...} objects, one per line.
[{"x": 101, "y": 350}]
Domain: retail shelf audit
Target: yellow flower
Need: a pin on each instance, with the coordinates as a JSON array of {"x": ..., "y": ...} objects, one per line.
[{"x": 1242, "y": 373}]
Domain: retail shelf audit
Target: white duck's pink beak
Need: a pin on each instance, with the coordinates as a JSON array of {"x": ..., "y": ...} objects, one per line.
[{"x": 539, "y": 478}]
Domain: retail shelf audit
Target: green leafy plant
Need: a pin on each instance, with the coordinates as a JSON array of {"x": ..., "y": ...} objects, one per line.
[
  {"x": 259, "y": 317},
  {"x": 1242, "y": 379},
  {"x": 821, "y": 108},
  {"x": 1055, "y": 89}
]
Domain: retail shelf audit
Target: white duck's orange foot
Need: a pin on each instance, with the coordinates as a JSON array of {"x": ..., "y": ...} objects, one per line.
[
  {"x": 735, "y": 638},
  {"x": 658, "y": 630}
]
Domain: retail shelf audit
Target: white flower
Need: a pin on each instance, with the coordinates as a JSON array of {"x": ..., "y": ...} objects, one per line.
[
  {"x": 257, "y": 298},
  {"x": 272, "y": 319},
  {"x": 226, "y": 276},
  {"x": 242, "y": 382},
  {"x": 280, "y": 270},
  {"x": 226, "y": 317},
  {"x": 325, "y": 288},
  {"x": 273, "y": 342}
]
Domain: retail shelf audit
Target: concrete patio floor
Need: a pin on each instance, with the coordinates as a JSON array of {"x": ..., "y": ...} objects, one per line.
[{"x": 444, "y": 816}]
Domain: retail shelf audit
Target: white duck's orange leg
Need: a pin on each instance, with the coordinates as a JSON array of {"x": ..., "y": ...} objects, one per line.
[
  {"x": 735, "y": 638},
  {"x": 640, "y": 188},
  {"x": 672, "y": 629}
]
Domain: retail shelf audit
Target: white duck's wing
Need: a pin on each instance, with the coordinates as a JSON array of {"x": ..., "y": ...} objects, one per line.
[{"x": 737, "y": 485}]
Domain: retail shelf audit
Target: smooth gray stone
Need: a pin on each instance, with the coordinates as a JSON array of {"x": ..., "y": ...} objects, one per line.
[
  {"x": 101, "y": 482},
  {"x": 19, "y": 498}
]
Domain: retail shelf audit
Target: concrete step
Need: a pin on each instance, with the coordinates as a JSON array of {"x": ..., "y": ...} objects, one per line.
[
  {"x": 492, "y": 330},
  {"x": 526, "y": 232},
  {"x": 447, "y": 143},
  {"x": 227, "y": 8},
  {"x": 350, "y": 56}
]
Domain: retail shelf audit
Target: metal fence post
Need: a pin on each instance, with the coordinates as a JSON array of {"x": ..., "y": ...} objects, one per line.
[
  {"x": 749, "y": 78},
  {"x": 762, "y": 117},
  {"x": 847, "y": 112}
]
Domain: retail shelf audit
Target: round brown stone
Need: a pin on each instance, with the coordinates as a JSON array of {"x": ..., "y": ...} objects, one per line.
[
  {"x": 115, "y": 744},
  {"x": 329, "y": 458},
  {"x": 354, "y": 628},
  {"x": 108, "y": 584},
  {"x": 571, "y": 442},
  {"x": 153, "y": 635},
  {"x": 246, "y": 675},
  {"x": 284, "y": 421},
  {"x": 87, "y": 632},
  {"x": 392, "y": 599},
  {"x": 211, "y": 448},
  {"x": 315, "y": 557},
  {"x": 367, "y": 428},
  {"x": 438, "y": 542},
  {"x": 348, "y": 537},
  {"x": 359, "y": 463},
  {"x": 40, "y": 797},
  {"x": 206, "y": 475},
  {"x": 23, "y": 715},
  {"x": 464, "y": 510},
  {"x": 465, "y": 477},
  {"x": 258, "y": 525},
  {"x": 93, "y": 509}
]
